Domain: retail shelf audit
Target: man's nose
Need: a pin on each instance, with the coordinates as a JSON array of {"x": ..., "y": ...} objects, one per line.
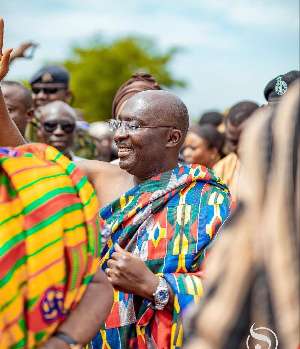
[
  {"x": 120, "y": 134},
  {"x": 59, "y": 131},
  {"x": 42, "y": 94}
]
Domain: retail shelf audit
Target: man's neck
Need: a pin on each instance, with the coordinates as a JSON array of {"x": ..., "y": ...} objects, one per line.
[
  {"x": 69, "y": 154},
  {"x": 137, "y": 180}
]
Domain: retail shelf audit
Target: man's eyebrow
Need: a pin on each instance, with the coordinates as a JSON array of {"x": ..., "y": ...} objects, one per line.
[{"x": 127, "y": 117}]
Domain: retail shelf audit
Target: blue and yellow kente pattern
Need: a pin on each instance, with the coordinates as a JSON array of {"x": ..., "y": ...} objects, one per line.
[{"x": 167, "y": 221}]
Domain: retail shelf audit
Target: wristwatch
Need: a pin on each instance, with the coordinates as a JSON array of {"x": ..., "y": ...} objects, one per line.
[
  {"x": 161, "y": 295},
  {"x": 72, "y": 343}
]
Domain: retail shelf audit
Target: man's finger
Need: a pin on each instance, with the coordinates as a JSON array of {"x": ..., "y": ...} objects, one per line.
[
  {"x": 5, "y": 63},
  {"x": 1, "y": 35},
  {"x": 119, "y": 249},
  {"x": 116, "y": 256},
  {"x": 111, "y": 263}
]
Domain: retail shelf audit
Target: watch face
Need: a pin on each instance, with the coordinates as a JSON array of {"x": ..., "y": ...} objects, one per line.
[{"x": 163, "y": 295}]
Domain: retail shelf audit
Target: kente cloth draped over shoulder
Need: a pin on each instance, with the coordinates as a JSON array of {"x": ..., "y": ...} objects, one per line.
[
  {"x": 48, "y": 242},
  {"x": 167, "y": 221}
]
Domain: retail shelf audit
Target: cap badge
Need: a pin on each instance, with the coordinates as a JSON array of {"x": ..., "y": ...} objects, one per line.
[
  {"x": 281, "y": 86},
  {"x": 47, "y": 77}
]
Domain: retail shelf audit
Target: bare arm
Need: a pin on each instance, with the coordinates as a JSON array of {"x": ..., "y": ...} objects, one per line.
[
  {"x": 84, "y": 322},
  {"x": 9, "y": 133},
  {"x": 109, "y": 181}
]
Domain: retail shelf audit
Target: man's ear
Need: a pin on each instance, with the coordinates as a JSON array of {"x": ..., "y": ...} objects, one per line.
[
  {"x": 69, "y": 98},
  {"x": 174, "y": 138},
  {"x": 29, "y": 114}
]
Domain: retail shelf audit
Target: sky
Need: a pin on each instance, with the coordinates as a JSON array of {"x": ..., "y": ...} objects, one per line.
[{"x": 230, "y": 48}]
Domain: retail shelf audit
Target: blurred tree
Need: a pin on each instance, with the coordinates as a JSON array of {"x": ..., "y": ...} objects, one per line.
[{"x": 98, "y": 70}]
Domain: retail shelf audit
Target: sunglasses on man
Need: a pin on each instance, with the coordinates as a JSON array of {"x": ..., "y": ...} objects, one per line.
[
  {"x": 51, "y": 126},
  {"x": 47, "y": 90}
]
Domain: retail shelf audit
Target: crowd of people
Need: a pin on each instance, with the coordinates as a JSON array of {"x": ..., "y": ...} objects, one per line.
[{"x": 147, "y": 230}]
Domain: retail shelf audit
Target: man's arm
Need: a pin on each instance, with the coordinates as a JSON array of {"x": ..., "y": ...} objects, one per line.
[
  {"x": 109, "y": 180},
  {"x": 9, "y": 133},
  {"x": 83, "y": 322}
]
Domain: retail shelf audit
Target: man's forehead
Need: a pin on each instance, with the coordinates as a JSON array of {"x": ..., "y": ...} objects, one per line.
[
  {"x": 135, "y": 108},
  {"x": 57, "y": 113},
  {"x": 13, "y": 93},
  {"x": 49, "y": 84}
]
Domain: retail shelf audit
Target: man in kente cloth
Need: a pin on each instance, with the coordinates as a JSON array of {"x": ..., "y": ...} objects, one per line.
[{"x": 158, "y": 230}]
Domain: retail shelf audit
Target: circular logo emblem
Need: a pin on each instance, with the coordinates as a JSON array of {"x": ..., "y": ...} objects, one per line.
[
  {"x": 52, "y": 305},
  {"x": 281, "y": 86},
  {"x": 262, "y": 335}
]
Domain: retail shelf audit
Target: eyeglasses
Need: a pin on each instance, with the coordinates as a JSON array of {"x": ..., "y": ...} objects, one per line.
[
  {"x": 47, "y": 90},
  {"x": 50, "y": 126},
  {"x": 130, "y": 126}
]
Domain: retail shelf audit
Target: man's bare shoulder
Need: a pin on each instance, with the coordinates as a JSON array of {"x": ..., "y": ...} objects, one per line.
[
  {"x": 100, "y": 168},
  {"x": 109, "y": 180}
]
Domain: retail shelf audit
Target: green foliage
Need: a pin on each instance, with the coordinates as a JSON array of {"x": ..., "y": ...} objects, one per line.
[{"x": 97, "y": 71}]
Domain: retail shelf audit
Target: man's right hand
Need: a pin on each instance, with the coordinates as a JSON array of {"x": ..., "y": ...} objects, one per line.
[{"x": 4, "y": 55}]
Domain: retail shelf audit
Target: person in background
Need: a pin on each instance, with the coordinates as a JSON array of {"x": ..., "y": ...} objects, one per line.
[
  {"x": 19, "y": 103},
  {"x": 53, "y": 294},
  {"x": 278, "y": 86},
  {"x": 228, "y": 168},
  {"x": 50, "y": 83},
  {"x": 236, "y": 119},
  {"x": 84, "y": 146},
  {"x": 253, "y": 273},
  {"x": 57, "y": 123},
  {"x": 203, "y": 145},
  {"x": 103, "y": 139},
  {"x": 213, "y": 118},
  {"x": 137, "y": 83}
]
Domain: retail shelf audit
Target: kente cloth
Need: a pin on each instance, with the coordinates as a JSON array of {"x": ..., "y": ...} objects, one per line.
[
  {"x": 167, "y": 221},
  {"x": 48, "y": 242}
]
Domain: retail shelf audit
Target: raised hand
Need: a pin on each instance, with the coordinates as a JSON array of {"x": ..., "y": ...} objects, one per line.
[
  {"x": 4, "y": 55},
  {"x": 25, "y": 50}
]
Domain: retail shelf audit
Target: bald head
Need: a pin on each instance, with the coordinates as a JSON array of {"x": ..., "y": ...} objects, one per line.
[
  {"x": 160, "y": 106},
  {"x": 23, "y": 93},
  {"x": 57, "y": 108}
]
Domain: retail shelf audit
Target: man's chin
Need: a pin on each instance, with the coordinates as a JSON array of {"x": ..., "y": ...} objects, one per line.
[
  {"x": 127, "y": 166},
  {"x": 40, "y": 103},
  {"x": 59, "y": 146}
]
